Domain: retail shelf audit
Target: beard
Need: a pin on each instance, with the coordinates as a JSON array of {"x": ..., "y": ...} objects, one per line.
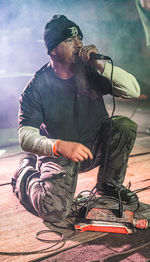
[
  {"x": 81, "y": 75},
  {"x": 84, "y": 75}
]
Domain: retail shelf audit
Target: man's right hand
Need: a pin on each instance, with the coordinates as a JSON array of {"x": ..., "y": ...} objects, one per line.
[{"x": 73, "y": 151}]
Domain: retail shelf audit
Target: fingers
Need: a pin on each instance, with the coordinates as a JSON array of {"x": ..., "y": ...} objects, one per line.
[
  {"x": 74, "y": 151},
  {"x": 86, "y": 152},
  {"x": 80, "y": 156},
  {"x": 81, "y": 153},
  {"x": 84, "y": 52}
]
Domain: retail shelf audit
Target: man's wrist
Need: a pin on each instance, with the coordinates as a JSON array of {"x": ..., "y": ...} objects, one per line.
[
  {"x": 100, "y": 65},
  {"x": 55, "y": 148}
]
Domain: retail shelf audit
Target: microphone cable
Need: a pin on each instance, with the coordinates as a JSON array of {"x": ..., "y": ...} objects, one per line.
[
  {"x": 94, "y": 189},
  {"x": 112, "y": 114}
]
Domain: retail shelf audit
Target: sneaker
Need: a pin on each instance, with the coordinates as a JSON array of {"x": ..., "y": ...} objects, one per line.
[{"x": 126, "y": 195}]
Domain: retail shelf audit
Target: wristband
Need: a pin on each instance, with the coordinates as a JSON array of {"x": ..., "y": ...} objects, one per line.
[{"x": 54, "y": 149}]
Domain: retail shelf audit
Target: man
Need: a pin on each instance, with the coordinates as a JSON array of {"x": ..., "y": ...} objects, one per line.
[{"x": 63, "y": 121}]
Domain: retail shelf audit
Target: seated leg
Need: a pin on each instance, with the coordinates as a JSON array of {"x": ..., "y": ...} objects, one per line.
[{"x": 49, "y": 192}]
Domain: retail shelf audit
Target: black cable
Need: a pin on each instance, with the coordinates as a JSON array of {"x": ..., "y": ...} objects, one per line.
[
  {"x": 120, "y": 211},
  {"x": 141, "y": 189},
  {"x": 106, "y": 155},
  {"x": 76, "y": 202},
  {"x": 5, "y": 184},
  {"x": 112, "y": 85},
  {"x": 135, "y": 110},
  {"x": 79, "y": 212},
  {"x": 140, "y": 154},
  {"x": 112, "y": 114},
  {"x": 92, "y": 194},
  {"x": 44, "y": 250},
  {"x": 48, "y": 240}
]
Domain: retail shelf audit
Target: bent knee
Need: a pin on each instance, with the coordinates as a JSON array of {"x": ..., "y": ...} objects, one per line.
[
  {"x": 50, "y": 209},
  {"x": 123, "y": 122}
]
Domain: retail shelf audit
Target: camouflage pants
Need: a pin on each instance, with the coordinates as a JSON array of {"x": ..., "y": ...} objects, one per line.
[{"x": 49, "y": 192}]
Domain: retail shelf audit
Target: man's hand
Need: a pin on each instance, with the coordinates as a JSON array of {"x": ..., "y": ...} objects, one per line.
[
  {"x": 85, "y": 51},
  {"x": 73, "y": 151},
  {"x": 84, "y": 55}
]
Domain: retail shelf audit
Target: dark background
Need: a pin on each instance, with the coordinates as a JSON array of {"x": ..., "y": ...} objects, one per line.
[{"x": 113, "y": 26}]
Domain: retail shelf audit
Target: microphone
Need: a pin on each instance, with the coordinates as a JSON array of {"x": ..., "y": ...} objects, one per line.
[{"x": 99, "y": 57}]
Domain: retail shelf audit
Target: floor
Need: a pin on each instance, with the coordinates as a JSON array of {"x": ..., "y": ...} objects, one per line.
[{"x": 18, "y": 227}]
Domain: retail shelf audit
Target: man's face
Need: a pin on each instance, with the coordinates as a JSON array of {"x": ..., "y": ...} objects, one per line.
[{"x": 66, "y": 51}]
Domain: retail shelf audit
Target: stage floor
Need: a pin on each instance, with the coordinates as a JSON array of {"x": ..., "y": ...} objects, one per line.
[{"x": 18, "y": 227}]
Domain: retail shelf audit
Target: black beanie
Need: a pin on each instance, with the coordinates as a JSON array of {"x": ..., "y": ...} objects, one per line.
[{"x": 58, "y": 30}]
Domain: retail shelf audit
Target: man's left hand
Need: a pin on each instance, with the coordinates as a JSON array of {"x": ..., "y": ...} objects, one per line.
[{"x": 84, "y": 54}]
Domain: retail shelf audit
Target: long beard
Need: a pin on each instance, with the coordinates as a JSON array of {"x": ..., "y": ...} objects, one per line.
[
  {"x": 80, "y": 76},
  {"x": 84, "y": 75}
]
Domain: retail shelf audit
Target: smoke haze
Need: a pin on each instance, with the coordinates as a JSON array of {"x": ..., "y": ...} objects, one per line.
[{"x": 109, "y": 25}]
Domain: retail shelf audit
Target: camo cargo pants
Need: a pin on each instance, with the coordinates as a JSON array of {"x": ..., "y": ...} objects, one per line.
[{"x": 49, "y": 192}]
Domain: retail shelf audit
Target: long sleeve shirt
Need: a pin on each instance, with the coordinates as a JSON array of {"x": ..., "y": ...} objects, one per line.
[{"x": 52, "y": 108}]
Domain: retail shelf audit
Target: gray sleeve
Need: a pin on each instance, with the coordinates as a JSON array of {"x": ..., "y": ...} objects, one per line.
[
  {"x": 125, "y": 84},
  {"x": 31, "y": 141}
]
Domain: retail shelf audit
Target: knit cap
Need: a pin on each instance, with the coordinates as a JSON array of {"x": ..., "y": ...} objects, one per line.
[{"x": 59, "y": 29}]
